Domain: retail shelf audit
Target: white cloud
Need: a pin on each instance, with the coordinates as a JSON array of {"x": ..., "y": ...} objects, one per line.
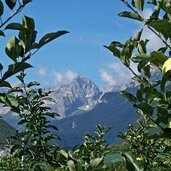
[
  {"x": 42, "y": 71},
  {"x": 52, "y": 77},
  {"x": 63, "y": 78},
  {"x": 116, "y": 75},
  {"x": 108, "y": 78}
]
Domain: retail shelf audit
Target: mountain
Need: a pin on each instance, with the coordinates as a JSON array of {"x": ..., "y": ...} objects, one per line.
[
  {"x": 81, "y": 93},
  {"x": 82, "y": 106},
  {"x": 113, "y": 111},
  {"x": 6, "y": 131}
]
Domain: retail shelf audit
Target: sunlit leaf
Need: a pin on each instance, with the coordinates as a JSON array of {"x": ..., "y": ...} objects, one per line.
[
  {"x": 131, "y": 163},
  {"x": 71, "y": 165},
  {"x": 139, "y": 4},
  {"x": 13, "y": 49}
]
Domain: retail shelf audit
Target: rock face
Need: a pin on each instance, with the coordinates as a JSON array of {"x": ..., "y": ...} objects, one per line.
[{"x": 81, "y": 93}]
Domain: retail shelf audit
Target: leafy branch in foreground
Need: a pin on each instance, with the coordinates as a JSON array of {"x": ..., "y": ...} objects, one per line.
[{"x": 149, "y": 139}]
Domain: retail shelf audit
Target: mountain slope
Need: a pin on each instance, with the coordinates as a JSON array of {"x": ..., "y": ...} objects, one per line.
[
  {"x": 113, "y": 111},
  {"x": 6, "y": 131}
]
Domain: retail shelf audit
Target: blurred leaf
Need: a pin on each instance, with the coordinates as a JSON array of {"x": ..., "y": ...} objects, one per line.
[
  {"x": 129, "y": 97},
  {"x": 64, "y": 153},
  {"x": 166, "y": 77},
  {"x": 51, "y": 36},
  {"x": 95, "y": 162},
  {"x": 1, "y": 67},
  {"x": 142, "y": 47},
  {"x": 50, "y": 168},
  {"x": 28, "y": 22},
  {"x": 139, "y": 4},
  {"x": 162, "y": 26},
  {"x": 1, "y": 8},
  {"x": 113, "y": 49},
  {"x": 52, "y": 127},
  {"x": 11, "y": 3},
  {"x": 146, "y": 108},
  {"x": 13, "y": 49},
  {"x": 13, "y": 101},
  {"x": 4, "y": 84},
  {"x": 15, "y": 68},
  {"x": 16, "y": 26},
  {"x": 71, "y": 165},
  {"x": 152, "y": 2},
  {"x": 131, "y": 162},
  {"x": 130, "y": 15},
  {"x": 31, "y": 84},
  {"x": 2, "y": 33},
  {"x": 137, "y": 36}
]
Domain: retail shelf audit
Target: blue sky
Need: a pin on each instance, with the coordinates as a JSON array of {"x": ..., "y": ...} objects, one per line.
[{"x": 91, "y": 24}]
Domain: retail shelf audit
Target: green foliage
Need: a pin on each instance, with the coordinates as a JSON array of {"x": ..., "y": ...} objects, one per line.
[
  {"x": 149, "y": 138},
  {"x": 149, "y": 145},
  {"x": 33, "y": 144},
  {"x": 94, "y": 146},
  {"x": 89, "y": 156}
]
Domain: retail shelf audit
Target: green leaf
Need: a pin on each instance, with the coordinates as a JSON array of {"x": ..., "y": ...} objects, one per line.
[
  {"x": 1, "y": 67},
  {"x": 23, "y": 121},
  {"x": 15, "y": 68},
  {"x": 131, "y": 15},
  {"x": 71, "y": 165},
  {"x": 2, "y": 33},
  {"x": 51, "y": 36},
  {"x": 145, "y": 108},
  {"x": 52, "y": 127},
  {"x": 26, "y": 1},
  {"x": 113, "y": 49},
  {"x": 154, "y": 2},
  {"x": 16, "y": 89},
  {"x": 11, "y": 3},
  {"x": 139, "y": 93},
  {"x": 166, "y": 77},
  {"x": 13, "y": 49},
  {"x": 37, "y": 168},
  {"x": 28, "y": 22},
  {"x": 162, "y": 26},
  {"x": 5, "y": 84},
  {"x": 95, "y": 162},
  {"x": 1, "y": 8},
  {"x": 13, "y": 101},
  {"x": 15, "y": 148},
  {"x": 139, "y": 4},
  {"x": 16, "y": 26},
  {"x": 142, "y": 47},
  {"x": 129, "y": 97},
  {"x": 31, "y": 84},
  {"x": 64, "y": 153},
  {"x": 138, "y": 35},
  {"x": 50, "y": 168},
  {"x": 131, "y": 163}
]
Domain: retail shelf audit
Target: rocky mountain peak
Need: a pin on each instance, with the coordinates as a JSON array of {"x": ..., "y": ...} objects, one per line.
[{"x": 81, "y": 93}]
